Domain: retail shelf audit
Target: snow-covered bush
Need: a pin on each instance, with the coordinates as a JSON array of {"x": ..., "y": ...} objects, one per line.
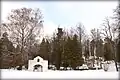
[
  {"x": 84, "y": 66},
  {"x": 52, "y": 67},
  {"x": 61, "y": 68}
]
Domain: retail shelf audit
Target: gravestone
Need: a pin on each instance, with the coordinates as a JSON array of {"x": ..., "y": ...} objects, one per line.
[{"x": 38, "y": 64}]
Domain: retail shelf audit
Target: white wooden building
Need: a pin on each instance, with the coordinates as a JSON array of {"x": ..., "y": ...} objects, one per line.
[{"x": 38, "y": 64}]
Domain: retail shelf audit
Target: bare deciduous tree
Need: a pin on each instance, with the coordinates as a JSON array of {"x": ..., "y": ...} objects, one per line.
[
  {"x": 24, "y": 25},
  {"x": 81, "y": 34},
  {"x": 108, "y": 29}
]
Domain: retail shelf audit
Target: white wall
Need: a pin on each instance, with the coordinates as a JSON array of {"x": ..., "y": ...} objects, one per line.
[{"x": 42, "y": 62}]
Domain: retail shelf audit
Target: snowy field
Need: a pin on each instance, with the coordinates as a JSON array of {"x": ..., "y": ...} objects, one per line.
[
  {"x": 86, "y": 74},
  {"x": 13, "y": 74}
]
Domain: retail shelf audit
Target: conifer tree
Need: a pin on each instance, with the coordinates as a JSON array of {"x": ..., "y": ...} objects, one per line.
[
  {"x": 108, "y": 55},
  {"x": 99, "y": 48},
  {"x": 42, "y": 51},
  {"x": 67, "y": 54},
  {"x": 77, "y": 59}
]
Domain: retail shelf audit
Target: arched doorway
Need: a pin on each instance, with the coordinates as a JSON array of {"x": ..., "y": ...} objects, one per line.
[{"x": 38, "y": 67}]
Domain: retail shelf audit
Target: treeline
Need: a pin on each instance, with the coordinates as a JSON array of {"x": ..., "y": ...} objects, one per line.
[{"x": 68, "y": 48}]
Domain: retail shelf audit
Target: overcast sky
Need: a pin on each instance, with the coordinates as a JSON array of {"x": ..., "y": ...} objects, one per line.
[{"x": 66, "y": 14}]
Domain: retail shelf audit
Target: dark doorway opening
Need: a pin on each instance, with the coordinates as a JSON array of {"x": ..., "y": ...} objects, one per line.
[{"x": 38, "y": 67}]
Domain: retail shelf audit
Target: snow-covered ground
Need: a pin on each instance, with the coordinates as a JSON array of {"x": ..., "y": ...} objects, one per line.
[
  {"x": 11, "y": 74},
  {"x": 87, "y": 74}
]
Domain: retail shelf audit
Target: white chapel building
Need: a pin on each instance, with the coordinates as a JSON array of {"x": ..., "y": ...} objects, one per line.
[{"x": 38, "y": 64}]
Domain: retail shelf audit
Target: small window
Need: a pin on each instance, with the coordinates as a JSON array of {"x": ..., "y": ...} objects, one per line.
[{"x": 38, "y": 60}]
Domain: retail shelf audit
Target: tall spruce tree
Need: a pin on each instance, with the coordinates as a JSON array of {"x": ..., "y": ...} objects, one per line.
[
  {"x": 48, "y": 51},
  {"x": 42, "y": 51},
  {"x": 108, "y": 53},
  {"x": 99, "y": 48},
  {"x": 54, "y": 50},
  {"x": 59, "y": 48},
  {"x": 92, "y": 47},
  {"x": 118, "y": 23},
  {"x": 86, "y": 52},
  {"x": 76, "y": 55},
  {"x": 67, "y": 53}
]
